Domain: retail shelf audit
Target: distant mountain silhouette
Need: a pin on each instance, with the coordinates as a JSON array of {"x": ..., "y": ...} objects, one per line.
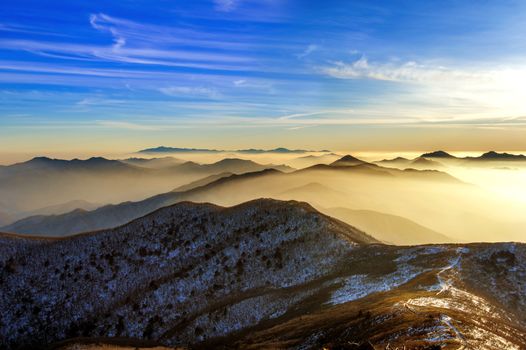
[
  {"x": 164, "y": 149},
  {"x": 277, "y": 150},
  {"x": 348, "y": 160},
  {"x": 233, "y": 165},
  {"x": 424, "y": 163},
  {"x": 63, "y": 208},
  {"x": 45, "y": 163},
  {"x": 488, "y": 156},
  {"x": 492, "y": 155},
  {"x": 438, "y": 154},
  {"x": 305, "y": 161},
  {"x": 43, "y": 181},
  {"x": 397, "y": 160},
  {"x": 114, "y": 215}
]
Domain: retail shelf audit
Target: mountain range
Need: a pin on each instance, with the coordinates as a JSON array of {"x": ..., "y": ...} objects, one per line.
[
  {"x": 363, "y": 186},
  {"x": 164, "y": 149},
  {"x": 260, "y": 275},
  {"x": 438, "y": 159},
  {"x": 44, "y": 182},
  {"x": 221, "y": 189},
  {"x": 488, "y": 156}
]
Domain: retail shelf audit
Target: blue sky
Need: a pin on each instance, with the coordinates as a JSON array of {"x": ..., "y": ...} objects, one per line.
[{"x": 260, "y": 73}]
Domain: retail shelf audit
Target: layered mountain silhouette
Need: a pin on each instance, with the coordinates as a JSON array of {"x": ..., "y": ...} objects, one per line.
[
  {"x": 310, "y": 160},
  {"x": 263, "y": 274},
  {"x": 164, "y": 149},
  {"x": 437, "y": 159},
  {"x": 114, "y": 215},
  {"x": 421, "y": 163},
  {"x": 43, "y": 182},
  {"x": 438, "y": 154},
  {"x": 490, "y": 156},
  {"x": 424, "y": 163},
  {"x": 223, "y": 188},
  {"x": 233, "y": 165}
]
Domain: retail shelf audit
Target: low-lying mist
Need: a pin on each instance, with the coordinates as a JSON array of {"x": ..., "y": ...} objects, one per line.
[{"x": 396, "y": 206}]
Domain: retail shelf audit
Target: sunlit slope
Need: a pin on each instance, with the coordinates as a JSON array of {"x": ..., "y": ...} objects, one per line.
[
  {"x": 388, "y": 228},
  {"x": 414, "y": 298},
  {"x": 385, "y": 227}
]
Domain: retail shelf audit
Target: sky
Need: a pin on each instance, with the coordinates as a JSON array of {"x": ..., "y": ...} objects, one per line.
[{"x": 112, "y": 76}]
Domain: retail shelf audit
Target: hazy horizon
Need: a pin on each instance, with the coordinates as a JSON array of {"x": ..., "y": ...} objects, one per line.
[{"x": 8, "y": 158}]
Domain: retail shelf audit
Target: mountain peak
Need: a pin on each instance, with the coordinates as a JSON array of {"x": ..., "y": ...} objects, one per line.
[
  {"x": 437, "y": 154},
  {"x": 492, "y": 155},
  {"x": 347, "y": 160},
  {"x": 40, "y": 160}
]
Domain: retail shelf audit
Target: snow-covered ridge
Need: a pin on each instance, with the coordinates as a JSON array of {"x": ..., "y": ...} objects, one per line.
[
  {"x": 250, "y": 274},
  {"x": 170, "y": 275}
]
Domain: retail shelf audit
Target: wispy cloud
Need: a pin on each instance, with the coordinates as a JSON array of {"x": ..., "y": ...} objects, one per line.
[
  {"x": 147, "y": 44},
  {"x": 181, "y": 91},
  {"x": 404, "y": 72},
  {"x": 453, "y": 92},
  {"x": 119, "y": 41},
  {"x": 126, "y": 125},
  {"x": 308, "y": 50},
  {"x": 258, "y": 85},
  {"x": 99, "y": 101},
  {"x": 226, "y": 5}
]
